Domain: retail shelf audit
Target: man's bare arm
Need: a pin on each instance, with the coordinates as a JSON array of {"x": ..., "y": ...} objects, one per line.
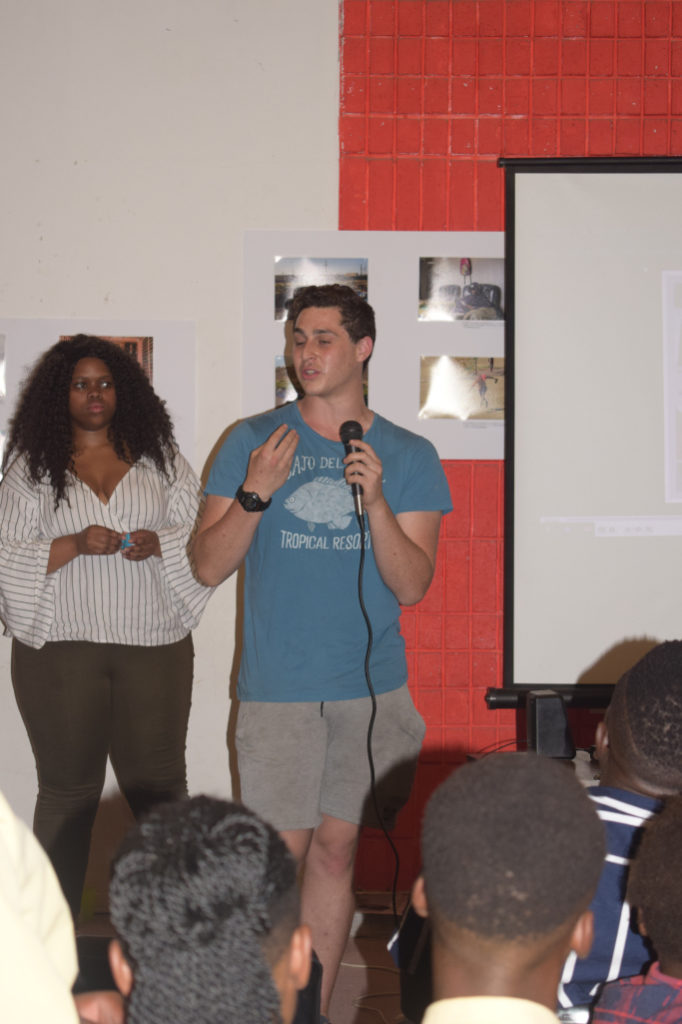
[
  {"x": 222, "y": 539},
  {"x": 405, "y": 550},
  {"x": 226, "y": 530},
  {"x": 404, "y": 545}
]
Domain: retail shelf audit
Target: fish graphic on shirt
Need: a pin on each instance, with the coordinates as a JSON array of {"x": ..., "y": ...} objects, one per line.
[{"x": 322, "y": 500}]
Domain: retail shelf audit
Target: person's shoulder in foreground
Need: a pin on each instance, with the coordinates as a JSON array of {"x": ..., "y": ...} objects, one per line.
[
  {"x": 38, "y": 962},
  {"x": 638, "y": 746},
  {"x": 506, "y": 886},
  {"x": 653, "y": 996},
  {"x": 655, "y": 894},
  {"x": 205, "y": 904}
]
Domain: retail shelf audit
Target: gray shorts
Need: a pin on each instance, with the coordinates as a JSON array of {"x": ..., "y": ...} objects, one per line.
[{"x": 298, "y": 761}]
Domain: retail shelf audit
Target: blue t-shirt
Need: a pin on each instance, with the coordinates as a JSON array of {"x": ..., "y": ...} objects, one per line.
[{"x": 304, "y": 636}]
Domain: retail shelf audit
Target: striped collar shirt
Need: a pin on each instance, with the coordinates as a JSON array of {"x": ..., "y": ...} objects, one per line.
[{"x": 618, "y": 949}]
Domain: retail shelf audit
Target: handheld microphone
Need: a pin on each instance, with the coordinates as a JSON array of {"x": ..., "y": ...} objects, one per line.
[{"x": 352, "y": 431}]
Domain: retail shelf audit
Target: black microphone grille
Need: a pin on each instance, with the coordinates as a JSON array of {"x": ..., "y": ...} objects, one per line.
[{"x": 350, "y": 431}]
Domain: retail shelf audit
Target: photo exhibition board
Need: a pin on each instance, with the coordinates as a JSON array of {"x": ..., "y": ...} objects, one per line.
[
  {"x": 171, "y": 354},
  {"x": 439, "y": 304},
  {"x": 594, "y": 458}
]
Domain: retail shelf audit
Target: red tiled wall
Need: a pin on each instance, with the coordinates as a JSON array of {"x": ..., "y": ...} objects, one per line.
[{"x": 433, "y": 92}]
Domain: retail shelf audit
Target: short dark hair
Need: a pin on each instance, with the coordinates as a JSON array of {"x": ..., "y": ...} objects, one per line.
[
  {"x": 204, "y": 899},
  {"x": 512, "y": 848},
  {"x": 654, "y": 880},
  {"x": 357, "y": 316},
  {"x": 644, "y": 718}
]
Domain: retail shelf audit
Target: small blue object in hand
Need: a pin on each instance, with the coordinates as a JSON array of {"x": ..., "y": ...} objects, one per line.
[{"x": 126, "y": 542}]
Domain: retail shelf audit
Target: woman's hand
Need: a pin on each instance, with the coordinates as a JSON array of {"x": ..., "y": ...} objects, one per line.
[
  {"x": 98, "y": 540},
  {"x": 143, "y": 544},
  {"x": 93, "y": 540}
]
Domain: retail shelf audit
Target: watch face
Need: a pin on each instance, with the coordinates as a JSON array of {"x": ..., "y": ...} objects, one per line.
[{"x": 251, "y": 501}]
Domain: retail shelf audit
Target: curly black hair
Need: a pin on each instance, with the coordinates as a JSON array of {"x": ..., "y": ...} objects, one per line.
[
  {"x": 41, "y": 427},
  {"x": 499, "y": 849},
  {"x": 644, "y": 718},
  {"x": 204, "y": 900},
  {"x": 654, "y": 881}
]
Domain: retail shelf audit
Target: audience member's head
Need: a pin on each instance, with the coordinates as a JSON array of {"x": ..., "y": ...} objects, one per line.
[
  {"x": 639, "y": 743},
  {"x": 205, "y": 904},
  {"x": 654, "y": 885},
  {"x": 512, "y": 850}
]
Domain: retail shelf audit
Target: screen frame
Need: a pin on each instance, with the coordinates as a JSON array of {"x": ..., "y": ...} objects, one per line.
[{"x": 512, "y": 693}]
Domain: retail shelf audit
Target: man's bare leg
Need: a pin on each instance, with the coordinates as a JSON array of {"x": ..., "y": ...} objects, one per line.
[
  {"x": 298, "y": 841},
  {"x": 327, "y": 900}
]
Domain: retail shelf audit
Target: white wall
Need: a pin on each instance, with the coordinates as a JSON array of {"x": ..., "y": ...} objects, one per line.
[{"x": 140, "y": 139}]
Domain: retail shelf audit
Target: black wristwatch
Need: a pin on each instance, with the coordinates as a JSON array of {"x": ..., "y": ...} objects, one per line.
[{"x": 250, "y": 501}]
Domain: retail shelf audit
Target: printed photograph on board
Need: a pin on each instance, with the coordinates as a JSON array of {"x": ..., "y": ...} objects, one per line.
[
  {"x": 141, "y": 349},
  {"x": 461, "y": 288},
  {"x": 285, "y": 382},
  {"x": 470, "y": 388},
  {"x": 292, "y": 272}
]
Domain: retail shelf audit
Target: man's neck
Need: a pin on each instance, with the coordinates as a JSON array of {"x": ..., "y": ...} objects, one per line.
[
  {"x": 671, "y": 968},
  {"x": 613, "y": 777},
  {"x": 325, "y": 416},
  {"x": 497, "y": 976}
]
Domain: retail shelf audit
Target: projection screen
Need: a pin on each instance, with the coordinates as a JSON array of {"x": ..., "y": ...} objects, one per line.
[{"x": 593, "y": 574}]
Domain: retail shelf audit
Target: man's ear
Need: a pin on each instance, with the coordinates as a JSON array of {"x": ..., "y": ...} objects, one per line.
[
  {"x": 601, "y": 740},
  {"x": 292, "y": 971},
  {"x": 363, "y": 348},
  {"x": 300, "y": 956},
  {"x": 641, "y": 924},
  {"x": 583, "y": 934},
  {"x": 419, "y": 898},
  {"x": 120, "y": 968}
]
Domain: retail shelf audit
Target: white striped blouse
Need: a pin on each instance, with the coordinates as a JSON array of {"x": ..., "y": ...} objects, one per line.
[{"x": 100, "y": 598}]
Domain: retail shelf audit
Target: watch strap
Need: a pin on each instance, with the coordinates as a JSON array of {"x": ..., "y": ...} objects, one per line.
[{"x": 250, "y": 501}]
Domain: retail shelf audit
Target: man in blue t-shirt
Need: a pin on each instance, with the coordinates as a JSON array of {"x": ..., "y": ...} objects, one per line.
[{"x": 280, "y": 500}]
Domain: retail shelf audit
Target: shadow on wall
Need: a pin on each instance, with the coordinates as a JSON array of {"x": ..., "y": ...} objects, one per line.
[{"x": 611, "y": 665}]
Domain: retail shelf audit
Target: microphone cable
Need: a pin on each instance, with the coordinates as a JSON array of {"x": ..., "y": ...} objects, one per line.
[{"x": 370, "y": 729}]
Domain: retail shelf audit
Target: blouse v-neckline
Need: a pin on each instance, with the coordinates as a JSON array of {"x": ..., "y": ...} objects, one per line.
[{"x": 103, "y": 501}]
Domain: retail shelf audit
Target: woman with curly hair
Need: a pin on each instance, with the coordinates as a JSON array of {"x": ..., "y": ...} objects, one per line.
[{"x": 96, "y": 588}]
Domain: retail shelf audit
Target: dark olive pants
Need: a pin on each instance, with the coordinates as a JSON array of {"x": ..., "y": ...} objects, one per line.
[{"x": 82, "y": 702}]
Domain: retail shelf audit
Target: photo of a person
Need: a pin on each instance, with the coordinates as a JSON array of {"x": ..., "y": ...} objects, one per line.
[{"x": 469, "y": 388}]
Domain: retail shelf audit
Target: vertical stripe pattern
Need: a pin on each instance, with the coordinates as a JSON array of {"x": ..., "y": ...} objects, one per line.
[{"x": 100, "y": 598}]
